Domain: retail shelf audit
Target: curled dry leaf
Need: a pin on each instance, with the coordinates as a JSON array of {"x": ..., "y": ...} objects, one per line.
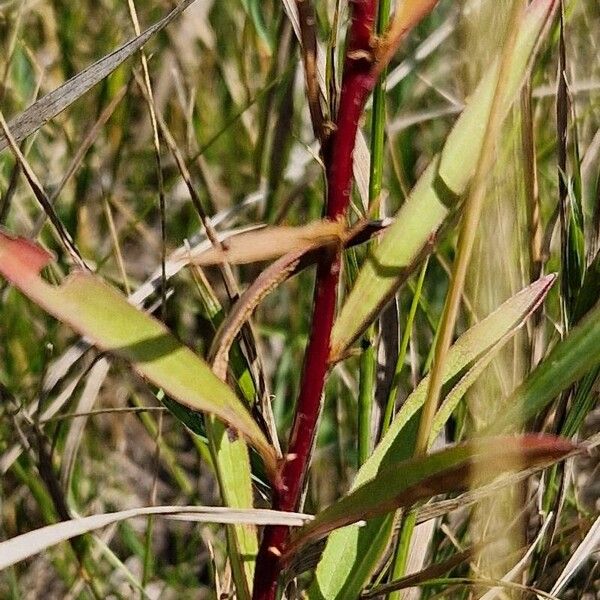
[
  {"x": 282, "y": 269},
  {"x": 272, "y": 242},
  {"x": 264, "y": 284}
]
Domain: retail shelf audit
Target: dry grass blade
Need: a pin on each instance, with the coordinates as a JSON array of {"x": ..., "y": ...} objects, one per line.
[
  {"x": 94, "y": 380},
  {"x": 10, "y": 455},
  {"x": 450, "y": 584},
  {"x": 52, "y": 104},
  {"x": 264, "y": 284},
  {"x": 520, "y": 566},
  {"x": 157, "y": 159},
  {"x": 63, "y": 235},
  {"x": 282, "y": 269},
  {"x": 86, "y": 144},
  {"x": 438, "y": 569},
  {"x": 28, "y": 544},
  {"x": 271, "y": 242},
  {"x": 308, "y": 34},
  {"x": 588, "y": 546}
]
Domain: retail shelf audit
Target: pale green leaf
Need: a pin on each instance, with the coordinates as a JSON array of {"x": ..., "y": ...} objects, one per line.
[
  {"x": 350, "y": 555},
  {"x": 437, "y": 193},
  {"x": 108, "y": 320}
]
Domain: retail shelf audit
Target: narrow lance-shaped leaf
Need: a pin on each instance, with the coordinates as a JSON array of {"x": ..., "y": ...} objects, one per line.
[
  {"x": 436, "y": 194},
  {"x": 272, "y": 242},
  {"x": 31, "y": 543},
  {"x": 234, "y": 474},
  {"x": 102, "y": 314},
  {"x": 57, "y": 100},
  {"x": 567, "y": 362},
  {"x": 352, "y": 553},
  {"x": 404, "y": 483}
]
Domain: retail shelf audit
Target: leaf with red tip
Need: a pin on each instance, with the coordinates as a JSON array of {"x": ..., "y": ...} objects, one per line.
[
  {"x": 104, "y": 316},
  {"x": 453, "y": 469}
]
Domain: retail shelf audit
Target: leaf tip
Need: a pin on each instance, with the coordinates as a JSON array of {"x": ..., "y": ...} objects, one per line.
[
  {"x": 21, "y": 258},
  {"x": 546, "y": 447}
]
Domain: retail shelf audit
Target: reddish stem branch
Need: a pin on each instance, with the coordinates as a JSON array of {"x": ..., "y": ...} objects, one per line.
[
  {"x": 362, "y": 67},
  {"x": 358, "y": 82}
]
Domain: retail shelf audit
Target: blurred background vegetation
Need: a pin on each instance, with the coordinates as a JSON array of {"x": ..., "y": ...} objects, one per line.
[{"x": 228, "y": 82}]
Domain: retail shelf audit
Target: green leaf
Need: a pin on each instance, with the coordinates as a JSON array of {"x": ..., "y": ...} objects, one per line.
[
  {"x": 590, "y": 290},
  {"x": 571, "y": 359},
  {"x": 351, "y": 554},
  {"x": 253, "y": 8},
  {"x": 103, "y": 315},
  {"x": 404, "y": 483},
  {"x": 436, "y": 194},
  {"x": 235, "y": 482},
  {"x": 232, "y": 462}
]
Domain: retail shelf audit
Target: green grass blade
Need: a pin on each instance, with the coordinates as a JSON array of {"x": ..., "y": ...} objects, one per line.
[
  {"x": 235, "y": 483},
  {"x": 231, "y": 460},
  {"x": 570, "y": 360}
]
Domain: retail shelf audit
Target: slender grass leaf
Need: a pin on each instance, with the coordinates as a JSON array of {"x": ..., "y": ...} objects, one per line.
[
  {"x": 571, "y": 359},
  {"x": 436, "y": 194},
  {"x": 29, "y": 544},
  {"x": 271, "y": 242},
  {"x": 253, "y": 8},
  {"x": 352, "y": 553},
  {"x": 404, "y": 483},
  {"x": 235, "y": 483},
  {"x": 52, "y": 104},
  {"x": 590, "y": 290},
  {"x": 588, "y": 546},
  {"x": 103, "y": 315}
]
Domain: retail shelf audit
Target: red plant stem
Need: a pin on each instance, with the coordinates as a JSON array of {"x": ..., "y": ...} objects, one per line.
[{"x": 358, "y": 82}]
